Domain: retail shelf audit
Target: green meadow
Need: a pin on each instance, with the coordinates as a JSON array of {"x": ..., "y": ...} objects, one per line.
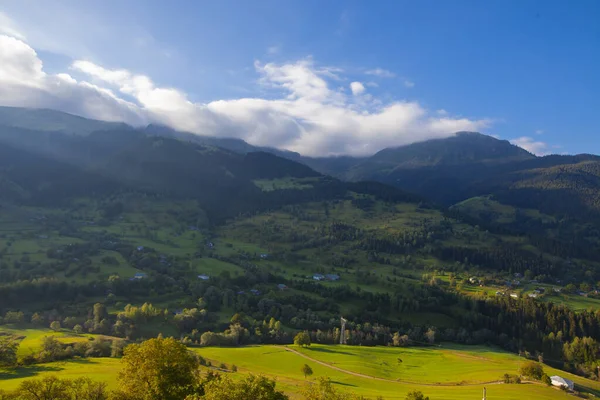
[{"x": 441, "y": 372}]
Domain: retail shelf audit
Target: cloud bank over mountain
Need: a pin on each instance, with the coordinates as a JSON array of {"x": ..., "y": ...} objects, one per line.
[{"x": 304, "y": 107}]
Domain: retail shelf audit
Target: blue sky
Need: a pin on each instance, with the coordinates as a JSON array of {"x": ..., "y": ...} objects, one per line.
[{"x": 525, "y": 71}]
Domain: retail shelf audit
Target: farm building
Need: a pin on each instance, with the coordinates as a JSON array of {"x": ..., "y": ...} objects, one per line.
[
  {"x": 561, "y": 382},
  {"x": 204, "y": 277},
  {"x": 318, "y": 277},
  {"x": 281, "y": 286},
  {"x": 332, "y": 277},
  {"x": 140, "y": 275}
]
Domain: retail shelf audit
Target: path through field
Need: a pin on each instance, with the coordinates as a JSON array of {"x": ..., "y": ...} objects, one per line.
[{"x": 345, "y": 371}]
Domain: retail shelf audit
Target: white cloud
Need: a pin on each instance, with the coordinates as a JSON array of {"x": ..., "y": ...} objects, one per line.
[
  {"x": 536, "y": 147},
  {"x": 372, "y": 84},
  {"x": 305, "y": 111},
  {"x": 357, "y": 88},
  {"x": 539, "y": 132},
  {"x": 380, "y": 72},
  {"x": 273, "y": 50},
  {"x": 8, "y": 27},
  {"x": 409, "y": 84}
]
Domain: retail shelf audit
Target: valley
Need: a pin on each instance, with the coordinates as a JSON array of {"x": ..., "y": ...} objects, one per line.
[{"x": 114, "y": 237}]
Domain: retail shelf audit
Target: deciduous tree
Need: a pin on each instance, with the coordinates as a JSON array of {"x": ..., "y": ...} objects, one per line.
[
  {"x": 158, "y": 369},
  {"x": 302, "y": 339},
  {"x": 307, "y": 370}
]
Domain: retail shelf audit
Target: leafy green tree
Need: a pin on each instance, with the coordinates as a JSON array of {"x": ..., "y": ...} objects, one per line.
[
  {"x": 52, "y": 349},
  {"x": 416, "y": 395},
  {"x": 8, "y": 350},
  {"x": 49, "y": 387},
  {"x": 307, "y": 370},
  {"x": 55, "y": 326},
  {"x": 250, "y": 388},
  {"x": 37, "y": 319},
  {"x": 158, "y": 369},
  {"x": 85, "y": 388},
  {"x": 532, "y": 369},
  {"x": 53, "y": 388},
  {"x": 302, "y": 339},
  {"x": 99, "y": 312}
]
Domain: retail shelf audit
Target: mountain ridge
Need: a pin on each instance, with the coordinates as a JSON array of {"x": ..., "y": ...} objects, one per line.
[{"x": 445, "y": 171}]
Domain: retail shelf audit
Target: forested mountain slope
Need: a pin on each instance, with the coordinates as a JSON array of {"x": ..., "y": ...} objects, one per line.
[{"x": 227, "y": 238}]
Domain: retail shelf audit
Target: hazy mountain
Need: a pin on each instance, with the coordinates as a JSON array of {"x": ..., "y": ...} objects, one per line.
[
  {"x": 53, "y": 121},
  {"x": 446, "y": 171}
]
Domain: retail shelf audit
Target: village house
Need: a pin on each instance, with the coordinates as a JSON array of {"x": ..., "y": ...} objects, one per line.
[
  {"x": 332, "y": 277},
  {"x": 318, "y": 277},
  {"x": 281, "y": 286},
  {"x": 204, "y": 277}
]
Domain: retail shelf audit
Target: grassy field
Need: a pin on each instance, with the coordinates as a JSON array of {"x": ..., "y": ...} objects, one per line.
[
  {"x": 32, "y": 338},
  {"x": 501, "y": 213},
  {"x": 450, "y": 373},
  {"x": 453, "y": 373},
  {"x": 99, "y": 369},
  {"x": 269, "y": 185}
]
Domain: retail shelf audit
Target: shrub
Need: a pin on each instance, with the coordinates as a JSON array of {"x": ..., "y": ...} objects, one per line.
[{"x": 532, "y": 369}]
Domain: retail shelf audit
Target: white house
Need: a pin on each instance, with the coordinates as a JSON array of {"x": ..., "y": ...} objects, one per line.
[
  {"x": 514, "y": 295},
  {"x": 204, "y": 277},
  {"x": 562, "y": 382}
]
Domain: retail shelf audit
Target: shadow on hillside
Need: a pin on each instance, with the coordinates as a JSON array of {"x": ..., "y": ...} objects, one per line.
[
  {"x": 326, "y": 350},
  {"x": 27, "y": 372},
  {"x": 342, "y": 383}
]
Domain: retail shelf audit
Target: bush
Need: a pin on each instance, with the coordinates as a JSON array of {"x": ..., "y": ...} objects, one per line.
[
  {"x": 416, "y": 395},
  {"x": 546, "y": 379},
  {"x": 511, "y": 378},
  {"x": 533, "y": 370}
]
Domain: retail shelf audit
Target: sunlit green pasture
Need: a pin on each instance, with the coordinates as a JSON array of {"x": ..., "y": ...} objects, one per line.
[{"x": 448, "y": 372}]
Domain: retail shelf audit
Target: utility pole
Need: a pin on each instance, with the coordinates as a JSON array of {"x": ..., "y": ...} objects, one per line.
[{"x": 484, "y": 394}]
